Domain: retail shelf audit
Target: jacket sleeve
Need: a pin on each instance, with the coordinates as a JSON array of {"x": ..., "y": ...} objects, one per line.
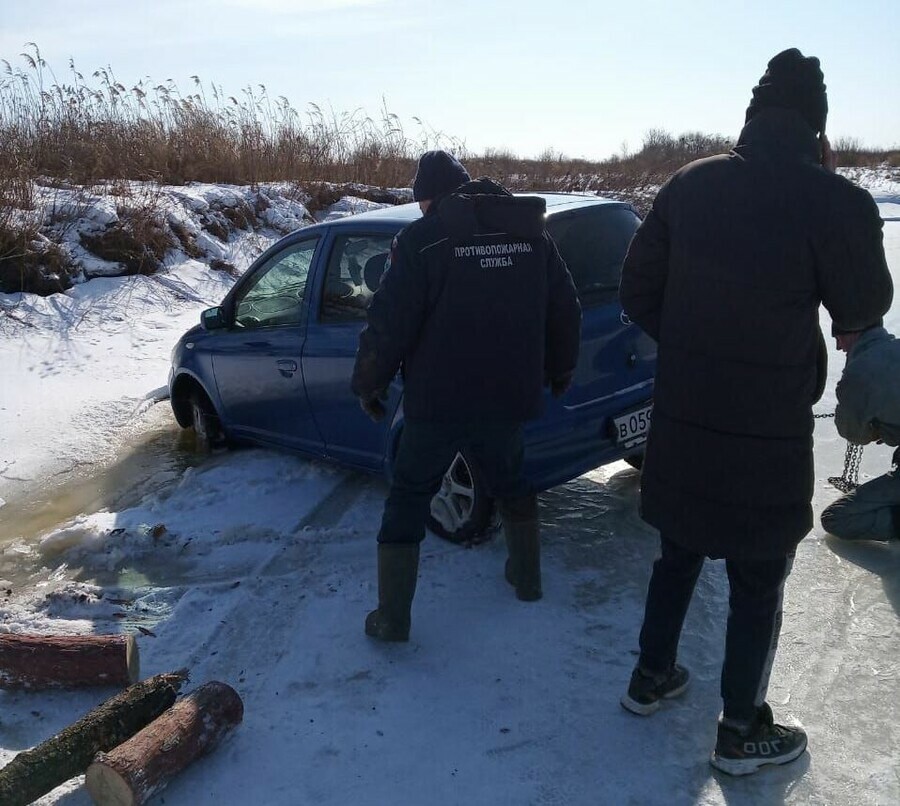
[
  {"x": 646, "y": 268},
  {"x": 394, "y": 320},
  {"x": 853, "y": 415},
  {"x": 854, "y": 280},
  {"x": 563, "y": 333}
]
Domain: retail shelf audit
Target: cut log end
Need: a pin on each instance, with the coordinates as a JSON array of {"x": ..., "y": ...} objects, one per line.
[
  {"x": 107, "y": 787},
  {"x": 33, "y": 773},
  {"x": 139, "y": 768}
]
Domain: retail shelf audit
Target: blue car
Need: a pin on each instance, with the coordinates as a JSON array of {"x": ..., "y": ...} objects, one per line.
[{"x": 271, "y": 365}]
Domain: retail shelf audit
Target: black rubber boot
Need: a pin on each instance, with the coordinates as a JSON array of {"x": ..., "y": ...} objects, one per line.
[
  {"x": 523, "y": 542},
  {"x": 398, "y": 569}
]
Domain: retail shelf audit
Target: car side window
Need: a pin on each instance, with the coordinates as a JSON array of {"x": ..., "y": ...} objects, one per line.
[
  {"x": 274, "y": 295},
  {"x": 593, "y": 243},
  {"x": 354, "y": 271}
]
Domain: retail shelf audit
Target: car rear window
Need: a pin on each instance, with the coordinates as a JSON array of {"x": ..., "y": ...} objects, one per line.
[{"x": 593, "y": 242}]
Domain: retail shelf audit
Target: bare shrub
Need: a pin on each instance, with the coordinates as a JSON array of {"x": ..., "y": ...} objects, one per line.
[
  {"x": 217, "y": 264},
  {"x": 138, "y": 241},
  {"x": 28, "y": 262},
  {"x": 851, "y": 153},
  {"x": 241, "y": 215},
  {"x": 318, "y": 196},
  {"x": 32, "y": 264},
  {"x": 215, "y": 224},
  {"x": 187, "y": 240}
]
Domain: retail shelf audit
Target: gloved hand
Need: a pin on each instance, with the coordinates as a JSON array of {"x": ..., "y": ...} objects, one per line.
[
  {"x": 560, "y": 385},
  {"x": 373, "y": 407}
]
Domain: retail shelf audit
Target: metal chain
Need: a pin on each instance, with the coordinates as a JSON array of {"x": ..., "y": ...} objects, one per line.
[{"x": 849, "y": 479}]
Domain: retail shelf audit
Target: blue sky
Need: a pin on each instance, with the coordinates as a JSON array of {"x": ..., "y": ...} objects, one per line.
[{"x": 578, "y": 76}]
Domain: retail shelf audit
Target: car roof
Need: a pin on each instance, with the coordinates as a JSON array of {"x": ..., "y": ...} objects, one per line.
[{"x": 405, "y": 213}]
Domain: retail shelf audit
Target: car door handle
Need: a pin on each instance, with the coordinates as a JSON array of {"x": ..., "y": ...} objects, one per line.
[{"x": 286, "y": 367}]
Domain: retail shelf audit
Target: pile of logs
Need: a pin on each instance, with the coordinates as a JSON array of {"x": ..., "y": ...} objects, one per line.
[{"x": 130, "y": 746}]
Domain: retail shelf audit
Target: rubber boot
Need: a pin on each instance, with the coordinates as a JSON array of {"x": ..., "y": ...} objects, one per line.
[
  {"x": 398, "y": 569},
  {"x": 523, "y": 542}
]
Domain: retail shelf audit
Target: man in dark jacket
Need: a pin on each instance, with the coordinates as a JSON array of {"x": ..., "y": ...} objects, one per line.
[
  {"x": 727, "y": 273},
  {"x": 479, "y": 311}
]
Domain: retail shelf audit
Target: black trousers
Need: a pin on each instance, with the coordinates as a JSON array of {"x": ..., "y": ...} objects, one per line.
[
  {"x": 754, "y": 622},
  {"x": 426, "y": 450}
]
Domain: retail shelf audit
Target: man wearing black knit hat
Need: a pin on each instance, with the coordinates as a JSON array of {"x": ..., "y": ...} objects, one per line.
[
  {"x": 727, "y": 273},
  {"x": 476, "y": 339}
]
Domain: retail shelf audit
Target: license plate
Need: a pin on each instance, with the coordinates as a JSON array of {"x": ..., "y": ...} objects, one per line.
[{"x": 631, "y": 428}]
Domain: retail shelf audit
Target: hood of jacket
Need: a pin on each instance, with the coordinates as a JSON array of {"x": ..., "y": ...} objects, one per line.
[
  {"x": 484, "y": 206},
  {"x": 779, "y": 134}
]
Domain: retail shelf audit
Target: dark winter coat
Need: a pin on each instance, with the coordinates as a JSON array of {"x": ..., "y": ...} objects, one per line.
[
  {"x": 478, "y": 308},
  {"x": 727, "y": 273}
]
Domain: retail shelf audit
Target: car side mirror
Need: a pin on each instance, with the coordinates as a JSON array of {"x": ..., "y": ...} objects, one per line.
[{"x": 213, "y": 319}]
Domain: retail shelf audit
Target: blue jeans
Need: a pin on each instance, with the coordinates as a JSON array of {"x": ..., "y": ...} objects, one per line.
[
  {"x": 426, "y": 450},
  {"x": 754, "y": 622}
]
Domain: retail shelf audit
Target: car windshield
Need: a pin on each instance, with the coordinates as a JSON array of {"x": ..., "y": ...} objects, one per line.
[
  {"x": 274, "y": 295},
  {"x": 593, "y": 242}
]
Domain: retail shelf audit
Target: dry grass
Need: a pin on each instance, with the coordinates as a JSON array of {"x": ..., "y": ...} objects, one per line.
[
  {"x": 852, "y": 154},
  {"x": 30, "y": 263},
  {"x": 26, "y": 259},
  {"x": 99, "y": 129},
  {"x": 86, "y": 131},
  {"x": 138, "y": 241}
]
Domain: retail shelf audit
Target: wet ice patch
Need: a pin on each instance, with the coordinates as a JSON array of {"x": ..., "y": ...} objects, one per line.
[
  {"x": 85, "y": 531},
  {"x": 253, "y": 497}
]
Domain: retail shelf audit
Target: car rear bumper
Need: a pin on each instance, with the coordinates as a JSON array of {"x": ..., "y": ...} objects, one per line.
[{"x": 559, "y": 450}]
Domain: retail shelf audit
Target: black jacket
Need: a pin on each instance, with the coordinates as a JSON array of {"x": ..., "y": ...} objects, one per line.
[
  {"x": 727, "y": 273},
  {"x": 478, "y": 308}
]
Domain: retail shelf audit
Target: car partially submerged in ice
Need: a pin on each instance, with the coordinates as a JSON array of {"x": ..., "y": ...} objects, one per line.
[{"x": 271, "y": 365}]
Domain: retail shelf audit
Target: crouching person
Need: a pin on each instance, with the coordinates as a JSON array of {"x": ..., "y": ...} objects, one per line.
[
  {"x": 868, "y": 410},
  {"x": 478, "y": 309}
]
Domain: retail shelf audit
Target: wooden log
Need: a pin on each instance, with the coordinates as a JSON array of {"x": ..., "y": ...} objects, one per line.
[
  {"x": 34, "y": 773},
  {"x": 67, "y": 661},
  {"x": 138, "y": 769}
]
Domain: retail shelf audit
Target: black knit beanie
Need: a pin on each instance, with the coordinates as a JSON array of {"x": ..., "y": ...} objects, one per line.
[
  {"x": 839, "y": 331},
  {"x": 793, "y": 81},
  {"x": 438, "y": 173}
]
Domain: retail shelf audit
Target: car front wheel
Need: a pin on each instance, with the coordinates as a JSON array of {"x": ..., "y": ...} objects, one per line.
[
  {"x": 205, "y": 423},
  {"x": 461, "y": 509}
]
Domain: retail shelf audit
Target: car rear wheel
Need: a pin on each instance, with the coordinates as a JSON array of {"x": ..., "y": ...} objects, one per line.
[{"x": 461, "y": 509}]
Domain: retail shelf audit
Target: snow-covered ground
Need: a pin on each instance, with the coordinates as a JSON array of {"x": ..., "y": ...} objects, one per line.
[{"x": 257, "y": 568}]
